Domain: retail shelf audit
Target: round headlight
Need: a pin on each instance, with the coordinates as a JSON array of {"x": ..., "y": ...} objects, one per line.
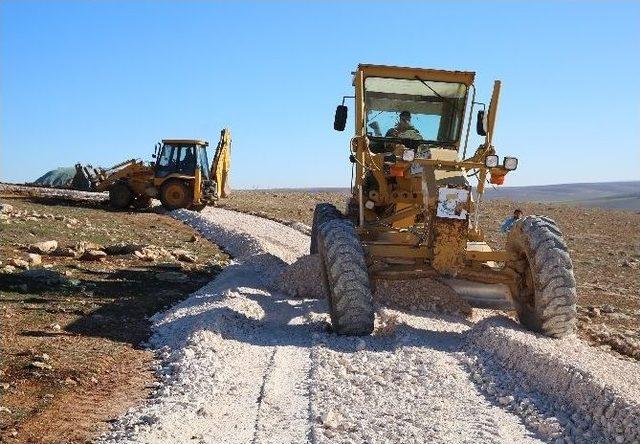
[
  {"x": 491, "y": 161},
  {"x": 510, "y": 163},
  {"x": 408, "y": 155}
]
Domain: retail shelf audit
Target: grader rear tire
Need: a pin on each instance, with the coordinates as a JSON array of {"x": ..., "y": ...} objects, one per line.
[
  {"x": 323, "y": 213},
  {"x": 345, "y": 277},
  {"x": 120, "y": 196},
  {"x": 175, "y": 194},
  {"x": 545, "y": 298}
]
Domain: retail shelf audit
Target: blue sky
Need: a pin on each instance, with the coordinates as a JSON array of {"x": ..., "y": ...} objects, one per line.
[{"x": 100, "y": 82}]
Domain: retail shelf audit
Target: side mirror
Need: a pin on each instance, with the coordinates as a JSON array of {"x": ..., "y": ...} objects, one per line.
[
  {"x": 153, "y": 156},
  {"x": 340, "y": 119},
  {"x": 481, "y": 123}
]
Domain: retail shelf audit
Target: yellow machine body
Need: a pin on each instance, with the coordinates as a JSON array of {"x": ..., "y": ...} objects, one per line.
[
  {"x": 412, "y": 202},
  {"x": 181, "y": 176}
]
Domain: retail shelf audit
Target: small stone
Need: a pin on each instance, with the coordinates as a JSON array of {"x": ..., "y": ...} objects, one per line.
[
  {"x": 6, "y": 208},
  {"x": 94, "y": 255},
  {"x": 43, "y": 357},
  {"x": 94, "y": 380},
  {"x": 55, "y": 327},
  {"x": 70, "y": 381},
  {"x": 3, "y": 409},
  {"x": 40, "y": 365},
  {"x": 8, "y": 269},
  {"x": 505, "y": 400},
  {"x": 66, "y": 252},
  {"x": 184, "y": 256},
  {"x": 19, "y": 263},
  {"x": 330, "y": 419},
  {"x": 45, "y": 247},
  {"x": 360, "y": 345},
  {"x": 606, "y": 308},
  {"x": 33, "y": 258}
]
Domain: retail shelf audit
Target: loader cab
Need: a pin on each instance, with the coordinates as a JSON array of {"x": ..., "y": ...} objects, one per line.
[{"x": 182, "y": 157}]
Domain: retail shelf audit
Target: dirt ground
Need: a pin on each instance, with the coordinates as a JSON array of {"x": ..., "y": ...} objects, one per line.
[
  {"x": 604, "y": 245},
  {"x": 71, "y": 338}
]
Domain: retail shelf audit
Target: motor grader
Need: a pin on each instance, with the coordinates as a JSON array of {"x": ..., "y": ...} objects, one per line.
[
  {"x": 181, "y": 176},
  {"x": 414, "y": 214}
]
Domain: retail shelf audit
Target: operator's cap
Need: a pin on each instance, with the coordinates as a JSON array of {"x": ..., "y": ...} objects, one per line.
[{"x": 405, "y": 114}]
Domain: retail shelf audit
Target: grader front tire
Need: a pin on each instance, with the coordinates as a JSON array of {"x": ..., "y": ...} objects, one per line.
[
  {"x": 346, "y": 279},
  {"x": 322, "y": 213},
  {"x": 545, "y": 298}
]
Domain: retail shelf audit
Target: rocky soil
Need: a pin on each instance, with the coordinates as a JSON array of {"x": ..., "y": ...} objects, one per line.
[{"x": 77, "y": 285}]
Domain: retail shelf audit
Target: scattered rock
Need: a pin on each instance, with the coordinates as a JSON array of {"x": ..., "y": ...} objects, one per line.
[
  {"x": 606, "y": 308},
  {"x": 33, "y": 258},
  {"x": 66, "y": 252},
  {"x": 94, "y": 255},
  {"x": 55, "y": 327},
  {"x": 360, "y": 344},
  {"x": 3, "y": 409},
  {"x": 8, "y": 269},
  {"x": 42, "y": 358},
  {"x": 6, "y": 208},
  {"x": 330, "y": 419},
  {"x": 45, "y": 247},
  {"x": 184, "y": 256},
  {"x": 19, "y": 263},
  {"x": 40, "y": 365}
]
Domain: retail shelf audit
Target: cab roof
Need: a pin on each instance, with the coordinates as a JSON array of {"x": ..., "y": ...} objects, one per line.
[
  {"x": 185, "y": 142},
  {"x": 403, "y": 72}
]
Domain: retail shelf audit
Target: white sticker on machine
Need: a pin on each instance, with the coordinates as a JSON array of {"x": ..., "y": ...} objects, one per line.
[{"x": 453, "y": 203}]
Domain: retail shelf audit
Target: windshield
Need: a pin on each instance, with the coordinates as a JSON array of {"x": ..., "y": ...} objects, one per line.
[
  {"x": 414, "y": 109},
  {"x": 203, "y": 162}
]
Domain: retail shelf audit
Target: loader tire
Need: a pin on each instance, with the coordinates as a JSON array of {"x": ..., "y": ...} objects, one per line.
[
  {"x": 142, "y": 202},
  {"x": 545, "y": 291},
  {"x": 175, "y": 194},
  {"x": 198, "y": 207},
  {"x": 120, "y": 196},
  {"x": 323, "y": 213},
  {"x": 346, "y": 279}
]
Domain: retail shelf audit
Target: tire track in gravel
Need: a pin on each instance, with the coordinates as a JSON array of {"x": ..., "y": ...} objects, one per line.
[{"x": 242, "y": 362}]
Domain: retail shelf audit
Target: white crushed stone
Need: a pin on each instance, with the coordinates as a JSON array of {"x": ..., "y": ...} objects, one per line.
[{"x": 241, "y": 361}]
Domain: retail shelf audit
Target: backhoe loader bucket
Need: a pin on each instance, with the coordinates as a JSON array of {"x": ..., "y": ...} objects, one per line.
[{"x": 221, "y": 164}]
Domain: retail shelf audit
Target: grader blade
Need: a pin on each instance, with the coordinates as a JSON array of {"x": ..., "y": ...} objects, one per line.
[{"x": 481, "y": 295}]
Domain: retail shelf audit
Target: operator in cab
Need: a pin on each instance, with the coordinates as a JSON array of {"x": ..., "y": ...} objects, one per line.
[{"x": 404, "y": 129}]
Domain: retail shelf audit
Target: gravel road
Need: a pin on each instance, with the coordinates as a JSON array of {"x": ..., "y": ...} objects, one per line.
[{"x": 240, "y": 361}]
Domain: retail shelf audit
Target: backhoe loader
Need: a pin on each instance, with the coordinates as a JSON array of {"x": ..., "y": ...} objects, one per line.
[
  {"x": 414, "y": 214},
  {"x": 181, "y": 176}
]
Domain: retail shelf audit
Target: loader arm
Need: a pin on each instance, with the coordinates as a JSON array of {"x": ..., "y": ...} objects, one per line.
[{"x": 221, "y": 164}]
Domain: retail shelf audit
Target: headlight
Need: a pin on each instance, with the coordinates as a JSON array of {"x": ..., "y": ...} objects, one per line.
[
  {"x": 510, "y": 163},
  {"x": 491, "y": 161},
  {"x": 408, "y": 155}
]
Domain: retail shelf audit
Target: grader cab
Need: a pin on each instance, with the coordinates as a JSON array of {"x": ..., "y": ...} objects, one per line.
[{"x": 414, "y": 213}]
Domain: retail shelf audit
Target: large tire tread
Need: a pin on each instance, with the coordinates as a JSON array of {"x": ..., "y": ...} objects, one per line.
[
  {"x": 346, "y": 277},
  {"x": 538, "y": 242},
  {"x": 322, "y": 213}
]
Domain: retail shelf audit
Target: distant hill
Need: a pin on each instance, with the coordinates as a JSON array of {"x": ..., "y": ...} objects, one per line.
[{"x": 611, "y": 195}]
